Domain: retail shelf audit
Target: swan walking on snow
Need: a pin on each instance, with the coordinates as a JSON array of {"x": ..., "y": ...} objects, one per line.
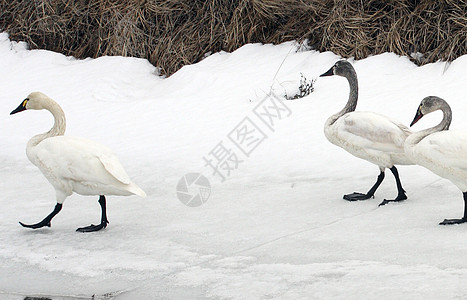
[
  {"x": 441, "y": 151},
  {"x": 73, "y": 164},
  {"x": 367, "y": 135}
]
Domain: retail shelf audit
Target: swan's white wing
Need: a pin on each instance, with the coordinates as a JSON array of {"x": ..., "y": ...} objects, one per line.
[
  {"x": 446, "y": 148},
  {"x": 113, "y": 166},
  {"x": 372, "y": 131},
  {"x": 80, "y": 160}
]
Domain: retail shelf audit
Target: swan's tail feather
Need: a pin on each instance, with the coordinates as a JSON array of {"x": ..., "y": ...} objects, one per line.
[{"x": 133, "y": 188}]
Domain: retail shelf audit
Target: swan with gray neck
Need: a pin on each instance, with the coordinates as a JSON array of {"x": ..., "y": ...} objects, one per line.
[
  {"x": 367, "y": 135},
  {"x": 442, "y": 151},
  {"x": 73, "y": 164}
]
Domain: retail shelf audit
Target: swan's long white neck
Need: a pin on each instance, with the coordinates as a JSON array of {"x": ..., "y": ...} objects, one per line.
[
  {"x": 353, "y": 96},
  {"x": 59, "y": 123},
  {"x": 416, "y": 137}
]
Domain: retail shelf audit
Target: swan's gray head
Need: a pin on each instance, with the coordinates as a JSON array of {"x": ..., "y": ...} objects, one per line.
[
  {"x": 341, "y": 68},
  {"x": 428, "y": 105},
  {"x": 35, "y": 100}
]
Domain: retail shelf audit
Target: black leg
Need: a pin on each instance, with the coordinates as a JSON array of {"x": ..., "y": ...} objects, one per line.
[
  {"x": 457, "y": 221},
  {"x": 359, "y": 196},
  {"x": 104, "y": 220},
  {"x": 401, "y": 196},
  {"x": 46, "y": 221}
]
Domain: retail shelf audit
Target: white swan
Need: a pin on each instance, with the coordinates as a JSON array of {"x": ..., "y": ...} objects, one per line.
[
  {"x": 367, "y": 135},
  {"x": 73, "y": 164},
  {"x": 442, "y": 151}
]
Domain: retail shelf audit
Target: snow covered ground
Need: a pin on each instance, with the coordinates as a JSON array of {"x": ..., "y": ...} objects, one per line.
[{"x": 276, "y": 228}]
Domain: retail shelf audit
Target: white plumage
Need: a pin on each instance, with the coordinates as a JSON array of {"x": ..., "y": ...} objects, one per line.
[
  {"x": 74, "y": 164},
  {"x": 445, "y": 154},
  {"x": 442, "y": 151},
  {"x": 370, "y": 136},
  {"x": 367, "y": 135}
]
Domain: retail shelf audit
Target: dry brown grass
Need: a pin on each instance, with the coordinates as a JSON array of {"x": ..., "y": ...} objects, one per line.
[{"x": 173, "y": 33}]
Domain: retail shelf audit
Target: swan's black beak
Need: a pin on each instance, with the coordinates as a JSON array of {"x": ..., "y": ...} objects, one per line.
[
  {"x": 20, "y": 108},
  {"x": 418, "y": 116},
  {"x": 330, "y": 72}
]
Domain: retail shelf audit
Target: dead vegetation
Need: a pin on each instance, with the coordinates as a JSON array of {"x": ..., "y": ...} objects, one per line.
[{"x": 173, "y": 33}]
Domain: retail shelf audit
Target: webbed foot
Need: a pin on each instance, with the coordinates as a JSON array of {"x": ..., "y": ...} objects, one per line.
[
  {"x": 453, "y": 221},
  {"x": 93, "y": 227},
  {"x": 37, "y": 225},
  {"x": 355, "y": 196},
  {"x": 399, "y": 198},
  {"x": 46, "y": 221}
]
